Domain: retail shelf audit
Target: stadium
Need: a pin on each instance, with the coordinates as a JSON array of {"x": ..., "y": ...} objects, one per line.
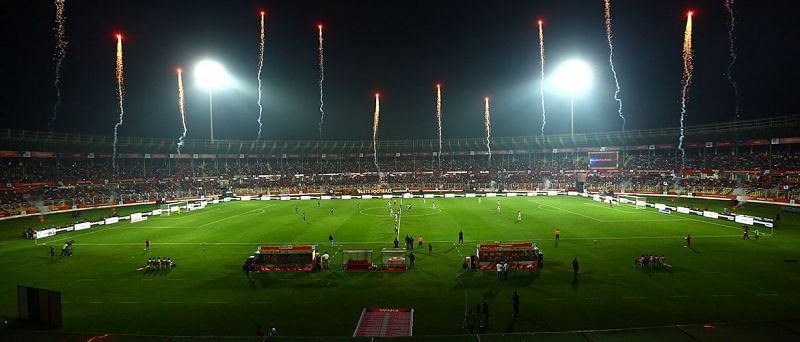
[{"x": 649, "y": 232}]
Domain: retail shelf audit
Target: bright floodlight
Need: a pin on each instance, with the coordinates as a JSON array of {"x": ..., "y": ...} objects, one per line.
[
  {"x": 211, "y": 75},
  {"x": 573, "y": 76}
]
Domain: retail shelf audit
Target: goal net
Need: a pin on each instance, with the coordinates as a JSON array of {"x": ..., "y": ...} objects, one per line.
[
  {"x": 638, "y": 202},
  {"x": 173, "y": 208}
]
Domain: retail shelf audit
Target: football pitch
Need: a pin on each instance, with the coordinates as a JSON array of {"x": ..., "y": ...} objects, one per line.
[{"x": 722, "y": 278}]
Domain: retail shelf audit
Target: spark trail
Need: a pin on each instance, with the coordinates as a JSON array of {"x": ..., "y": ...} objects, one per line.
[
  {"x": 686, "y": 80},
  {"x": 439, "y": 120},
  {"x": 120, "y": 97},
  {"x": 60, "y": 53},
  {"x": 487, "y": 124},
  {"x": 321, "y": 80},
  {"x": 375, "y": 120},
  {"x": 541, "y": 85},
  {"x": 182, "y": 109},
  {"x": 732, "y": 53},
  {"x": 611, "y": 62},
  {"x": 260, "y": 66}
]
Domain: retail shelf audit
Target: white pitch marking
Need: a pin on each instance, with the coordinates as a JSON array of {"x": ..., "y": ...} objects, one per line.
[
  {"x": 230, "y": 217},
  {"x": 569, "y": 211}
]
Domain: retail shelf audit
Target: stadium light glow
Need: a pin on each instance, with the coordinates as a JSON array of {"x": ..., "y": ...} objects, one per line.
[
  {"x": 573, "y": 76},
  {"x": 211, "y": 75}
]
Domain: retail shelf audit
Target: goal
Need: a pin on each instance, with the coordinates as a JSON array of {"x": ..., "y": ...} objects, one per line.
[
  {"x": 639, "y": 202},
  {"x": 173, "y": 208}
]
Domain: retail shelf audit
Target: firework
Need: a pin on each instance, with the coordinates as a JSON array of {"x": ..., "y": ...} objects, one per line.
[
  {"x": 182, "y": 109},
  {"x": 120, "y": 98},
  {"x": 732, "y": 53},
  {"x": 487, "y": 124},
  {"x": 60, "y": 53},
  {"x": 611, "y": 62},
  {"x": 439, "y": 120},
  {"x": 260, "y": 66},
  {"x": 321, "y": 80},
  {"x": 686, "y": 80},
  {"x": 375, "y": 120},
  {"x": 541, "y": 85}
]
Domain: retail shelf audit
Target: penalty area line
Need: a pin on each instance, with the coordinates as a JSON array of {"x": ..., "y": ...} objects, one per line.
[{"x": 237, "y": 215}]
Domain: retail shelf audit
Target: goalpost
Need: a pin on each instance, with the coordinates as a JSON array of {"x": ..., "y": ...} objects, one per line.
[
  {"x": 173, "y": 208},
  {"x": 639, "y": 202}
]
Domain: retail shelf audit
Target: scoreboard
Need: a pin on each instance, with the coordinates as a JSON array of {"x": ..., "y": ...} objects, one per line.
[{"x": 604, "y": 160}]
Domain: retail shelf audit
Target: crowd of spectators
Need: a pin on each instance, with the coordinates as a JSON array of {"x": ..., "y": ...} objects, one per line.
[
  {"x": 28, "y": 184},
  {"x": 29, "y": 170}
]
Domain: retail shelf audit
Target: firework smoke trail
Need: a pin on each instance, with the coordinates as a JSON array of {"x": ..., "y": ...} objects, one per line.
[
  {"x": 439, "y": 120},
  {"x": 686, "y": 80},
  {"x": 321, "y": 80},
  {"x": 120, "y": 97},
  {"x": 182, "y": 109},
  {"x": 487, "y": 123},
  {"x": 611, "y": 62},
  {"x": 260, "y": 66},
  {"x": 375, "y": 119},
  {"x": 541, "y": 85},
  {"x": 60, "y": 53},
  {"x": 732, "y": 53}
]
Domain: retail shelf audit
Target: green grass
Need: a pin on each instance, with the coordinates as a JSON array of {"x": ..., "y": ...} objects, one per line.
[{"x": 721, "y": 279}]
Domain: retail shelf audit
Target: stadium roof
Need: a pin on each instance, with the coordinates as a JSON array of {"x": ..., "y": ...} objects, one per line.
[{"x": 775, "y": 127}]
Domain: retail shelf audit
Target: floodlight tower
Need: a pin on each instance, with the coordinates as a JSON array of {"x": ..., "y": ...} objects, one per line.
[
  {"x": 573, "y": 77},
  {"x": 211, "y": 76}
]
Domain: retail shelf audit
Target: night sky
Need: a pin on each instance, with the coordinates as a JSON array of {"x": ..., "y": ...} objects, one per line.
[{"x": 400, "y": 48}]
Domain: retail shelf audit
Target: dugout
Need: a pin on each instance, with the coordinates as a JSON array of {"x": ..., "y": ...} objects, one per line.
[
  {"x": 393, "y": 259},
  {"x": 518, "y": 255},
  {"x": 291, "y": 258},
  {"x": 355, "y": 260}
]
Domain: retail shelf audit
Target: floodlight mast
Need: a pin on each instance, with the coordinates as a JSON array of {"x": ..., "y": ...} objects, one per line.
[
  {"x": 572, "y": 77},
  {"x": 211, "y": 112},
  {"x": 211, "y": 76}
]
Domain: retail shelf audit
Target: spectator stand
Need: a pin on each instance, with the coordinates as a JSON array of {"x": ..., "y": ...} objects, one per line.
[
  {"x": 394, "y": 259},
  {"x": 518, "y": 255},
  {"x": 284, "y": 258},
  {"x": 357, "y": 260}
]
